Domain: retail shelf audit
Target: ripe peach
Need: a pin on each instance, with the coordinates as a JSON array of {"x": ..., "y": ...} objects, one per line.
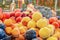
[
  {"x": 36, "y": 16},
  {"x": 8, "y": 30},
  {"x": 56, "y": 24},
  {"x": 52, "y": 19},
  {"x": 22, "y": 29},
  {"x": 25, "y": 20}
]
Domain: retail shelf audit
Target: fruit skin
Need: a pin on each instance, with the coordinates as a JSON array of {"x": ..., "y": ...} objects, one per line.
[
  {"x": 36, "y": 30},
  {"x": 12, "y": 14},
  {"x": 44, "y": 32},
  {"x": 30, "y": 34},
  {"x": 52, "y": 19},
  {"x": 25, "y": 20},
  {"x": 57, "y": 33},
  {"x": 2, "y": 34},
  {"x": 36, "y": 16},
  {"x": 6, "y": 15},
  {"x": 52, "y": 38},
  {"x": 59, "y": 22},
  {"x": 31, "y": 24},
  {"x": 17, "y": 14},
  {"x": 2, "y": 26},
  {"x": 8, "y": 22},
  {"x": 1, "y": 16},
  {"x": 56, "y": 24},
  {"x": 15, "y": 32},
  {"x": 13, "y": 19},
  {"x": 18, "y": 19},
  {"x": 21, "y": 37},
  {"x": 18, "y": 25},
  {"x": 51, "y": 27},
  {"x": 42, "y": 23},
  {"x": 8, "y": 30},
  {"x": 23, "y": 30}
]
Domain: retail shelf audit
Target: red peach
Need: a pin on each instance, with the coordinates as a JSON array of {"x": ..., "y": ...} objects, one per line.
[
  {"x": 12, "y": 13},
  {"x": 56, "y": 24},
  {"x": 21, "y": 37},
  {"x": 12, "y": 17},
  {"x": 18, "y": 19},
  {"x": 1, "y": 16},
  {"x": 6, "y": 15},
  {"x": 17, "y": 14},
  {"x": 8, "y": 30},
  {"x": 59, "y": 22},
  {"x": 24, "y": 23},
  {"x": 52, "y": 19}
]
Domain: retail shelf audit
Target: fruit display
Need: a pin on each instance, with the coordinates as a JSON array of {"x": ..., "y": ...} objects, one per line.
[{"x": 29, "y": 25}]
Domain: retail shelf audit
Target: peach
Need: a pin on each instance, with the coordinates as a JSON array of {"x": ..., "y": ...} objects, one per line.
[
  {"x": 22, "y": 29},
  {"x": 8, "y": 22},
  {"x": 15, "y": 32},
  {"x": 18, "y": 19},
  {"x": 36, "y": 16},
  {"x": 1, "y": 16},
  {"x": 43, "y": 22},
  {"x": 31, "y": 24},
  {"x": 8, "y": 30},
  {"x": 12, "y": 14},
  {"x": 59, "y": 22},
  {"x": 52, "y": 38},
  {"x": 17, "y": 14},
  {"x": 44, "y": 32},
  {"x": 6, "y": 15},
  {"x": 25, "y": 20},
  {"x": 52, "y": 19},
  {"x": 21, "y": 37},
  {"x": 56, "y": 24}
]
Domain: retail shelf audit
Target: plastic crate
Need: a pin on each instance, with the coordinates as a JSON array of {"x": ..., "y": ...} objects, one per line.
[{"x": 6, "y": 38}]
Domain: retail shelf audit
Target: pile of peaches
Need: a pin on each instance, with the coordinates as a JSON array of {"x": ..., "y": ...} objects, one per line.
[{"x": 30, "y": 26}]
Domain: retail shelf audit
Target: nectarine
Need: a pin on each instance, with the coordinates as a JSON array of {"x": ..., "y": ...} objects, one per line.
[
  {"x": 56, "y": 24},
  {"x": 22, "y": 29},
  {"x": 43, "y": 22},
  {"x": 52, "y": 19},
  {"x": 25, "y": 20},
  {"x": 31, "y": 24},
  {"x": 8, "y": 30},
  {"x": 36, "y": 16}
]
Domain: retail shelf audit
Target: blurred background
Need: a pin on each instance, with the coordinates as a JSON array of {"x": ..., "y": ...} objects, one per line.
[
  {"x": 54, "y": 4},
  {"x": 49, "y": 3}
]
